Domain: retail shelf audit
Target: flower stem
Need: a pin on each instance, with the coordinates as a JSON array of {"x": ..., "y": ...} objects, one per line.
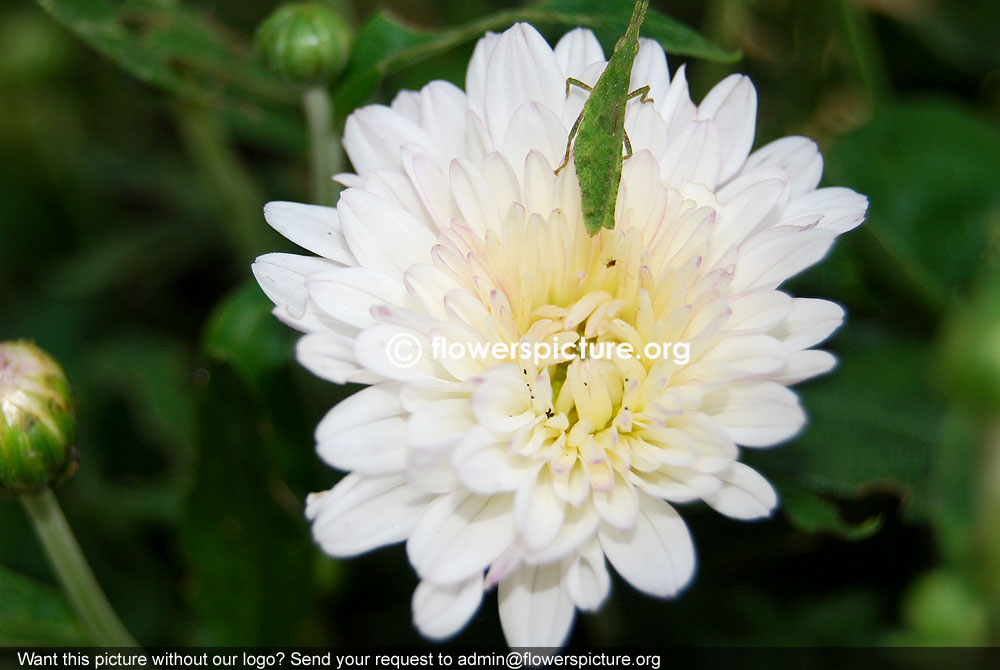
[
  {"x": 70, "y": 565},
  {"x": 863, "y": 43},
  {"x": 324, "y": 156},
  {"x": 238, "y": 196}
]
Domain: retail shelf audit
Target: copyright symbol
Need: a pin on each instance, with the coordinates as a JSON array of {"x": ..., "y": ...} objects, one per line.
[
  {"x": 514, "y": 660},
  {"x": 404, "y": 350}
]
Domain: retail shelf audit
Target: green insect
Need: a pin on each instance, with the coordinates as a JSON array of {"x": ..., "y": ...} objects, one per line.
[{"x": 600, "y": 129}]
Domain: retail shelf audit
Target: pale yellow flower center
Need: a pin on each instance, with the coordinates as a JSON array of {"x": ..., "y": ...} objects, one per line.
[{"x": 544, "y": 280}]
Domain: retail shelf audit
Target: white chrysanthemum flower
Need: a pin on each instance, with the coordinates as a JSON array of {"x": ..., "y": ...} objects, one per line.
[{"x": 527, "y": 477}]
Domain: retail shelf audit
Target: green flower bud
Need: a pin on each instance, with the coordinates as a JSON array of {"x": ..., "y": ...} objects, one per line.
[
  {"x": 304, "y": 43},
  {"x": 37, "y": 421}
]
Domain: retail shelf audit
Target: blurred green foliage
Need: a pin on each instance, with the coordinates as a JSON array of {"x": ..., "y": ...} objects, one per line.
[{"x": 140, "y": 140}]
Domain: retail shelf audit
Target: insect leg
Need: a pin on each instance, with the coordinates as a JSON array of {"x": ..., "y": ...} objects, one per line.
[
  {"x": 569, "y": 142},
  {"x": 572, "y": 81},
  {"x": 643, "y": 95},
  {"x": 643, "y": 92},
  {"x": 628, "y": 146}
]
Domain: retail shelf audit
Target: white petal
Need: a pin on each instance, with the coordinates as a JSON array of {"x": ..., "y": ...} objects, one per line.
[
  {"x": 442, "y": 115},
  {"x": 474, "y": 197},
  {"x": 431, "y": 471},
  {"x": 440, "y": 611},
  {"x": 396, "y": 352},
  {"x": 476, "y": 81},
  {"x": 459, "y": 535},
  {"x": 429, "y": 284},
  {"x": 431, "y": 182},
  {"x": 537, "y": 510},
  {"x": 587, "y": 580},
  {"x": 395, "y": 186},
  {"x": 368, "y": 404},
  {"x": 365, "y": 432},
  {"x": 576, "y": 50},
  {"x": 407, "y": 103},
  {"x": 483, "y": 465},
  {"x": 282, "y": 277},
  {"x": 650, "y": 69},
  {"x": 756, "y": 414},
  {"x": 535, "y": 610},
  {"x": 377, "y": 448},
  {"x": 348, "y": 179},
  {"x": 383, "y": 236},
  {"x": 311, "y": 227},
  {"x": 678, "y": 485},
  {"x": 502, "y": 402},
  {"x": 363, "y": 513},
  {"x": 330, "y": 356},
  {"x": 776, "y": 254},
  {"x": 646, "y": 130},
  {"x": 810, "y": 322},
  {"x": 804, "y": 365},
  {"x": 732, "y": 105},
  {"x": 373, "y": 136},
  {"x": 676, "y": 106},
  {"x": 620, "y": 505},
  {"x": 750, "y": 354},
  {"x": 641, "y": 190},
  {"x": 499, "y": 174},
  {"x": 757, "y": 311},
  {"x": 798, "y": 157},
  {"x": 578, "y": 528},
  {"x": 521, "y": 69},
  {"x": 745, "y": 495},
  {"x": 747, "y": 202},
  {"x": 439, "y": 423},
  {"x": 693, "y": 157},
  {"x": 535, "y": 128},
  {"x": 836, "y": 209},
  {"x": 348, "y": 294},
  {"x": 656, "y": 555},
  {"x": 539, "y": 181}
]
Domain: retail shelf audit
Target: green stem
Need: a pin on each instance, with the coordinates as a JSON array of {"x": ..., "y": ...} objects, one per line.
[
  {"x": 864, "y": 44},
  {"x": 324, "y": 153},
  {"x": 239, "y": 197},
  {"x": 71, "y": 567}
]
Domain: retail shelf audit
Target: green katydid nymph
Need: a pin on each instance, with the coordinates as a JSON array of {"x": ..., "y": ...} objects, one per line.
[{"x": 599, "y": 131}]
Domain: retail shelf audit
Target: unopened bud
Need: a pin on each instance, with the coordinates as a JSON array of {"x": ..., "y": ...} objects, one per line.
[
  {"x": 304, "y": 43},
  {"x": 37, "y": 421}
]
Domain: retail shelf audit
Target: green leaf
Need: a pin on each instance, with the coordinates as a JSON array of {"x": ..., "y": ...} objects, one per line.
[
  {"x": 32, "y": 613},
  {"x": 874, "y": 425},
  {"x": 150, "y": 375},
  {"x": 243, "y": 533},
  {"x": 170, "y": 46},
  {"x": 386, "y": 44},
  {"x": 608, "y": 18},
  {"x": 930, "y": 171},
  {"x": 243, "y": 333},
  {"x": 152, "y": 372},
  {"x": 814, "y": 513}
]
